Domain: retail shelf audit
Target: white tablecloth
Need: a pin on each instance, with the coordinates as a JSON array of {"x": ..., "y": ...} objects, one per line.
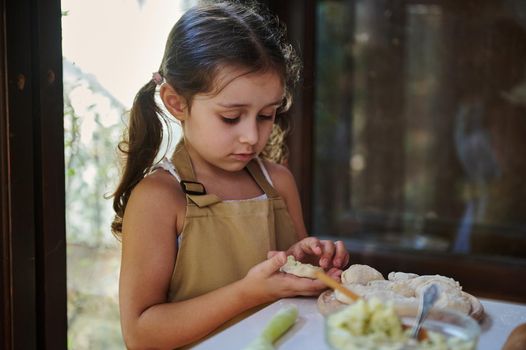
[{"x": 501, "y": 317}]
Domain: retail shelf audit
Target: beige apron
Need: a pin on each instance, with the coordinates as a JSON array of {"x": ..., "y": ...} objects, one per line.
[{"x": 222, "y": 240}]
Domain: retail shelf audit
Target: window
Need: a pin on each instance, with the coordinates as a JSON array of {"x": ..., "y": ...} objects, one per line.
[
  {"x": 104, "y": 65},
  {"x": 419, "y": 124}
]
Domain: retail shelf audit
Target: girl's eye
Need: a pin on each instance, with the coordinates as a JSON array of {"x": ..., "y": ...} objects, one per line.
[
  {"x": 230, "y": 120},
  {"x": 263, "y": 117}
]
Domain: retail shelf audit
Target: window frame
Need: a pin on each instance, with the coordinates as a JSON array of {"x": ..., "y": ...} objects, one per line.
[{"x": 33, "y": 244}]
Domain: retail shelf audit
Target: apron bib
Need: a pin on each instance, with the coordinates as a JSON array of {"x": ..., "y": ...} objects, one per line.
[{"x": 222, "y": 240}]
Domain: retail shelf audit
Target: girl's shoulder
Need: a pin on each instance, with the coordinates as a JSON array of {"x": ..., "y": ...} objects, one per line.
[
  {"x": 158, "y": 187},
  {"x": 282, "y": 178},
  {"x": 157, "y": 201}
]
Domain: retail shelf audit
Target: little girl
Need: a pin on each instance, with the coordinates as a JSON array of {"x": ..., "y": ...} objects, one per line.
[{"x": 205, "y": 233}]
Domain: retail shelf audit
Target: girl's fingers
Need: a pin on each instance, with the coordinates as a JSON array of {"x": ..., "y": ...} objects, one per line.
[
  {"x": 271, "y": 253},
  {"x": 307, "y": 246},
  {"x": 311, "y": 245},
  {"x": 327, "y": 253},
  {"x": 268, "y": 267},
  {"x": 297, "y": 251},
  {"x": 307, "y": 287},
  {"x": 335, "y": 273},
  {"x": 341, "y": 257}
]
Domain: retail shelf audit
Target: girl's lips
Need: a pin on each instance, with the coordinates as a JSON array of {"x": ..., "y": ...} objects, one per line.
[{"x": 244, "y": 157}]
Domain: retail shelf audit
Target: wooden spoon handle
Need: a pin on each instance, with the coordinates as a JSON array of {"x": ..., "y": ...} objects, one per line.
[{"x": 322, "y": 276}]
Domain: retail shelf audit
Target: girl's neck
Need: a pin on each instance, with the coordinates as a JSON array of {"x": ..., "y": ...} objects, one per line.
[{"x": 227, "y": 185}]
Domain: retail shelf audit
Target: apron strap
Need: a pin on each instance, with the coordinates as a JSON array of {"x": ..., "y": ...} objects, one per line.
[
  {"x": 254, "y": 169},
  {"x": 183, "y": 164},
  {"x": 195, "y": 191}
]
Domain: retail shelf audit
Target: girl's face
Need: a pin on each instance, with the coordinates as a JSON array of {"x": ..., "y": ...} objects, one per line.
[{"x": 226, "y": 130}]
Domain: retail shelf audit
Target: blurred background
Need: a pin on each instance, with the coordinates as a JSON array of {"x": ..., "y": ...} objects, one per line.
[{"x": 419, "y": 117}]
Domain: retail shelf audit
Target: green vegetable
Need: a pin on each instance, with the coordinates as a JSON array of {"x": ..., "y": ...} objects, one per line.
[
  {"x": 275, "y": 328},
  {"x": 260, "y": 343}
]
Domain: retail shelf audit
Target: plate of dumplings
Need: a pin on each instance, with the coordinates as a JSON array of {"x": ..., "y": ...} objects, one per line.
[{"x": 402, "y": 289}]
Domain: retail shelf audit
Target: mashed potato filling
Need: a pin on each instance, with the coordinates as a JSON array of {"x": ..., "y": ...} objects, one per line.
[
  {"x": 371, "y": 324},
  {"x": 300, "y": 269}
]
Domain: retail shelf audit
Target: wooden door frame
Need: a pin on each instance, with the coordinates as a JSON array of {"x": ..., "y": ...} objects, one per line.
[{"x": 33, "y": 244}]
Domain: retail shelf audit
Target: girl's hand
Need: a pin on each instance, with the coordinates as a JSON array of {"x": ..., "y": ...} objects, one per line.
[
  {"x": 327, "y": 254},
  {"x": 266, "y": 283}
]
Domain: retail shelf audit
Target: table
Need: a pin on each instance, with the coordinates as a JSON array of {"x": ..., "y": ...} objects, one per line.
[{"x": 501, "y": 317}]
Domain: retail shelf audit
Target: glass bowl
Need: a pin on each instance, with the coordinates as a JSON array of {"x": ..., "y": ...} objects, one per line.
[{"x": 445, "y": 329}]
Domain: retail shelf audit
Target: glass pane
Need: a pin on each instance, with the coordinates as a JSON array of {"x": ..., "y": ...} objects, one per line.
[
  {"x": 110, "y": 49},
  {"x": 420, "y": 120}
]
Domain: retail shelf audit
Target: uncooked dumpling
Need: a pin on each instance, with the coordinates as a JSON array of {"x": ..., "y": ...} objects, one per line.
[
  {"x": 450, "y": 291},
  {"x": 361, "y": 274},
  {"x": 400, "y": 276},
  {"x": 300, "y": 269}
]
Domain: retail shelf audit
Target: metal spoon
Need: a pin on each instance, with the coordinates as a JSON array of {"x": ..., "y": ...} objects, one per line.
[{"x": 426, "y": 302}]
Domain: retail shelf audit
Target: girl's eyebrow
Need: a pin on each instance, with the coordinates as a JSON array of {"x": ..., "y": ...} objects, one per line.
[{"x": 237, "y": 105}]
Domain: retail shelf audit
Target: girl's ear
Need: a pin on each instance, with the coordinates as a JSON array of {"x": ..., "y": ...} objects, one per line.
[{"x": 174, "y": 103}]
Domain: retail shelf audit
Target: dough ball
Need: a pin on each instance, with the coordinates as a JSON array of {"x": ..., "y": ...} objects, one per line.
[{"x": 361, "y": 274}]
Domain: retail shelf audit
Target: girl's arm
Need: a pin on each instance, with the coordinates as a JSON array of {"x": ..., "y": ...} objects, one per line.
[
  {"x": 148, "y": 320},
  {"x": 327, "y": 253},
  {"x": 285, "y": 184}
]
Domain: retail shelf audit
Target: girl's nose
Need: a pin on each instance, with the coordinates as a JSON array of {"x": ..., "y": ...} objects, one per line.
[{"x": 249, "y": 132}]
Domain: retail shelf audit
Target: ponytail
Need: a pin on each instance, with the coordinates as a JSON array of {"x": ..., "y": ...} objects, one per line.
[{"x": 140, "y": 146}]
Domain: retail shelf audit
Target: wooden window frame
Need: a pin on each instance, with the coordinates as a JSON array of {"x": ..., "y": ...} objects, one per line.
[{"x": 33, "y": 243}]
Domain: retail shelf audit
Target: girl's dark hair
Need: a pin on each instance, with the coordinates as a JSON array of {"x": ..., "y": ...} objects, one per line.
[{"x": 206, "y": 38}]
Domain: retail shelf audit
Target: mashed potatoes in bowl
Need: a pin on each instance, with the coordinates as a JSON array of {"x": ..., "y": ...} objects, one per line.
[{"x": 373, "y": 324}]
